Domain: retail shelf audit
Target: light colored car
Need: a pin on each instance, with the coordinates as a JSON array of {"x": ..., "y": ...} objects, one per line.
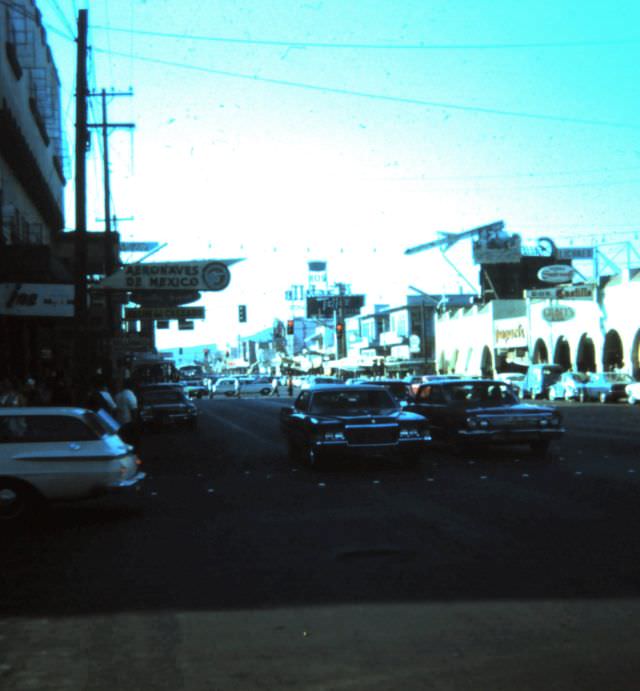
[
  {"x": 319, "y": 380},
  {"x": 49, "y": 453},
  {"x": 252, "y": 385},
  {"x": 633, "y": 392},
  {"x": 514, "y": 379},
  {"x": 226, "y": 386}
]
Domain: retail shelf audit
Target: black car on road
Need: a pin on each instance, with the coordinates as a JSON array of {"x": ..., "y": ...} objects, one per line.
[
  {"x": 328, "y": 423},
  {"x": 165, "y": 404},
  {"x": 480, "y": 412}
]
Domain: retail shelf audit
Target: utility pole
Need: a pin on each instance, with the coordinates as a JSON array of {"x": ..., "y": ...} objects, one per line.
[
  {"x": 81, "y": 342},
  {"x": 109, "y": 259}
]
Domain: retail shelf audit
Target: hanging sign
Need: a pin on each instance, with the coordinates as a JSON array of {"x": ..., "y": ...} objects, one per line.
[
  {"x": 160, "y": 313},
  {"x": 171, "y": 276}
]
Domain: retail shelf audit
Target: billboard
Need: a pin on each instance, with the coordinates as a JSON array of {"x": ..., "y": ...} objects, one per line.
[{"x": 325, "y": 306}]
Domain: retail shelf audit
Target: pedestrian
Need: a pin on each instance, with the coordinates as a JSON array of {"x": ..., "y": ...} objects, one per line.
[
  {"x": 275, "y": 387},
  {"x": 100, "y": 398},
  {"x": 127, "y": 414},
  {"x": 290, "y": 386}
]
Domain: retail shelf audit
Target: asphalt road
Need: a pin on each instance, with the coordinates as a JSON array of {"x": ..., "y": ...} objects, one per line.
[{"x": 233, "y": 569}]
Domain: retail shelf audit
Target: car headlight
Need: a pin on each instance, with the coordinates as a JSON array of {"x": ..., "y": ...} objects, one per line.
[
  {"x": 484, "y": 423},
  {"x": 472, "y": 422},
  {"x": 334, "y": 436},
  {"x": 544, "y": 422}
]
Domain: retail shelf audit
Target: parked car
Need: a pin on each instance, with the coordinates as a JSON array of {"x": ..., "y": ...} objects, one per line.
[
  {"x": 485, "y": 411},
  {"x": 606, "y": 387},
  {"x": 570, "y": 387},
  {"x": 633, "y": 392},
  {"x": 225, "y": 386},
  {"x": 539, "y": 378},
  {"x": 330, "y": 423},
  {"x": 416, "y": 380},
  {"x": 514, "y": 379},
  {"x": 398, "y": 388},
  {"x": 51, "y": 453},
  {"x": 166, "y": 404}
]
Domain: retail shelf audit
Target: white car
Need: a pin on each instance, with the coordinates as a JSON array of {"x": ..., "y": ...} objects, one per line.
[
  {"x": 633, "y": 392},
  {"x": 261, "y": 385},
  {"x": 319, "y": 380},
  {"x": 226, "y": 386},
  {"x": 514, "y": 379},
  {"x": 60, "y": 454}
]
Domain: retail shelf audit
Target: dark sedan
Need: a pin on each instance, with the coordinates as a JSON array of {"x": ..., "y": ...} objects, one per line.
[
  {"x": 328, "y": 423},
  {"x": 165, "y": 404},
  {"x": 398, "y": 388},
  {"x": 483, "y": 411}
]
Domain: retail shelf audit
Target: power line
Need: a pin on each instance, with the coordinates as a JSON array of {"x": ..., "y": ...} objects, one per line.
[
  {"x": 373, "y": 96},
  {"x": 374, "y": 46},
  {"x": 61, "y": 15}
]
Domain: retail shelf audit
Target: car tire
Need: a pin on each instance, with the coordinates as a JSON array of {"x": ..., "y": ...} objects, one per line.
[
  {"x": 603, "y": 398},
  {"x": 540, "y": 449},
  {"x": 18, "y": 502}
]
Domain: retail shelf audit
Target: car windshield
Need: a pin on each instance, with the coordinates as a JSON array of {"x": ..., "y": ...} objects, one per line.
[
  {"x": 481, "y": 393},
  {"x": 352, "y": 401}
]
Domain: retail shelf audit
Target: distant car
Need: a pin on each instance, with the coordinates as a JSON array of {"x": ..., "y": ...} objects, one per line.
[
  {"x": 51, "y": 453},
  {"x": 225, "y": 386},
  {"x": 633, "y": 392},
  {"x": 166, "y": 404},
  {"x": 415, "y": 381},
  {"x": 514, "y": 379},
  {"x": 606, "y": 387},
  {"x": 570, "y": 387},
  {"x": 195, "y": 387},
  {"x": 319, "y": 380},
  {"x": 251, "y": 385},
  {"x": 333, "y": 423},
  {"x": 539, "y": 378},
  {"x": 398, "y": 388},
  {"x": 480, "y": 412}
]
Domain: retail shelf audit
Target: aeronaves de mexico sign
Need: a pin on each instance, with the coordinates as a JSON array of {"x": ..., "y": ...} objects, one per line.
[{"x": 187, "y": 275}]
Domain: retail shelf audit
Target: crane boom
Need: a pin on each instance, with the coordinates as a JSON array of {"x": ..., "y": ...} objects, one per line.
[{"x": 449, "y": 239}]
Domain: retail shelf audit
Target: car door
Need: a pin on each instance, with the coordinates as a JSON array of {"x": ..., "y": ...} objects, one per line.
[
  {"x": 61, "y": 455},
  {"x": 432, "y": 403}
]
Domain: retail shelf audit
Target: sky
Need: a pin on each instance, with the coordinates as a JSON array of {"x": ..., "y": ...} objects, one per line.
[{"x": 350, "y": 130}]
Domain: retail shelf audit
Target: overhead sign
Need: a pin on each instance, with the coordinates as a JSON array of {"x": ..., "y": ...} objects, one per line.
[
  {"x": 171, "y": 276},
  {"x": 36, "y": 299},
  {"x": 159, "y": 313},
  {"x": 325, "y": 306},
  {"x": 575, "y": 253},
  {"x": 573, "y": 292},
  {"x": 558, "y": 313},
  {"x": 186, "y": 325},
  {"x": 164, "y": 298},
  {"x": 162, "y": 324},
  {"x": 555, "y": 273},
  {"x": 138, "y": 246}
]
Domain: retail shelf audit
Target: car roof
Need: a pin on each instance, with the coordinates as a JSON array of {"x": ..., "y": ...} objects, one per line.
[
  {"x": 324, "y": 388},
  {"x": 42, "y": 410}
]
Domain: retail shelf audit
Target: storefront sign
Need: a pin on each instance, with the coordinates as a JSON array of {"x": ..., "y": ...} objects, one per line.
[
  {"x": 576, "y": 292},
  {"x": 510, "y": 333},
  {"x": 575, "y": 253},
  {"x": 555, "y": 273},
  {"x": 324, "y": 307},
  {"x": 171, "y": 276},
  {"x": 36, "y": 299},
  {"x": 558, "y": 313}
]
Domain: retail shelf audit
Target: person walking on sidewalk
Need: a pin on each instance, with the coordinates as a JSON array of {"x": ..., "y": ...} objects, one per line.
[{"x": 127, "y": 415}]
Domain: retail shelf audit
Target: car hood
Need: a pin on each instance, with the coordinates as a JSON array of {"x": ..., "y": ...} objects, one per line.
[
  {"x": 518, "y": 409},
  {"x": 384, "y": 417}
]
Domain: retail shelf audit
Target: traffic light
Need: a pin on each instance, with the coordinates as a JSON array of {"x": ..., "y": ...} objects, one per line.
[
  {"x": 242, "y": 313},
  {"x": 340, "y": 340},
  {"x": 289, "y": 327}
]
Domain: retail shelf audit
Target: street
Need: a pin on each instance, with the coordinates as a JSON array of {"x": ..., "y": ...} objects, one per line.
[{"x": 234, "y": 569}]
